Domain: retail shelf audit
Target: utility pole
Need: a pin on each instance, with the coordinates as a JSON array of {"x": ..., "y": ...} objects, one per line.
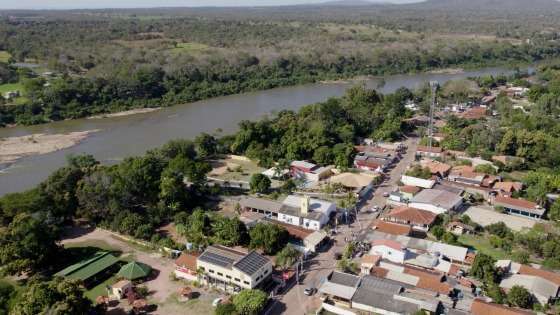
[{"x": 433, "y": 86}]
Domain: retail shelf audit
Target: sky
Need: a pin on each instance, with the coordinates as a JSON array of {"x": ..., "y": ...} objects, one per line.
[{"x": 97, "y": 4}]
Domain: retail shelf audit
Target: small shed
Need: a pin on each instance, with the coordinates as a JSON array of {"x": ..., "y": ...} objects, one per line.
[{"x": 121, "y": 288}]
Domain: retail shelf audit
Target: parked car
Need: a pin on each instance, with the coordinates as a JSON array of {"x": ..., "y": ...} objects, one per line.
[
  {"x": 216, "y": 302},
  {"x": 309, "y": 291},
  {"x": 385, "y": 194}
]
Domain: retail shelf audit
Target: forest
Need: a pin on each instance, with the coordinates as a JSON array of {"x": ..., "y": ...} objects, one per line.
[{"x": 114, "y": 60}]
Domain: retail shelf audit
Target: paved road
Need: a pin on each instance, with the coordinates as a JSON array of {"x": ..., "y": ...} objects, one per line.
[{"x": 294, "y": 301}]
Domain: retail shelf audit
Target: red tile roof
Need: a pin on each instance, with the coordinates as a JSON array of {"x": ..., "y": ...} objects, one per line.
[
  {"x": 412, "y": 215},
  {"x": 474, "y": 113},
  {"x": 391, "y": 228},
  {"x": 389, "y": 243},
  {"x": 187, "y": 260},
  {"x": 480, "y": 307},
  {"x": 508, "y": 186},
  {"x": 522, "y": 203},
  {"x": 370, "y": 259},
  {"x": 409, "y": 189},
  {"x": 438, "y": 167}
]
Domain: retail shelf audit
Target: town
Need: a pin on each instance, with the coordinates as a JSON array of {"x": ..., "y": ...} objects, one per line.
[{"x": 412, "y": 226}]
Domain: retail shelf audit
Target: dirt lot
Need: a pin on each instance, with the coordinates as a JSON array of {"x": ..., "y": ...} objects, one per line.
[{"x": 162, "y": 287}]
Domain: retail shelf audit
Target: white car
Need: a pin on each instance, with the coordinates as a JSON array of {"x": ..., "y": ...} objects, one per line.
[
  {"x": 216, "y": 302},
  {"x": 385, "y": 194}
]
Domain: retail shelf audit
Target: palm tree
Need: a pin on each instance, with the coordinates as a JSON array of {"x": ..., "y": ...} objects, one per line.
[{"x": 287, "y": 257}]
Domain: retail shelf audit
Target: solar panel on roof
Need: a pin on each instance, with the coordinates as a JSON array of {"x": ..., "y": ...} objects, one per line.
[
  {"x": 251, "y": 263},
  {"x": 216, "y": 259}
]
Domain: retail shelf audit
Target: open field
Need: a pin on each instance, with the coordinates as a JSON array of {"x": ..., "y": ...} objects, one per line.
[
  {"x": 189, "y": 48},
  {"x": 4, "y": 88},
  {"x": 482, "y": 245},
  {"x": 4, "y": 56}
]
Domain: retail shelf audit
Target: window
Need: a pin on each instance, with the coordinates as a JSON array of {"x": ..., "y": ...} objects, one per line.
[
  {"x": 229, "y": 277},
  {"x": 237, "y": 279},
  {"x": 210, "y": 270},
  {"x": 220, "y": 274},
  {"x": 246, "y": 282}
]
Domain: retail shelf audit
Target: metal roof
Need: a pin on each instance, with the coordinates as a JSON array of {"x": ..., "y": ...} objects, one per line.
[
  {"x": 90, "y": 267},
  {"x": 260, "y": 204},
  {"x": 344, "y": 279},
  {"x": 251, "y": 263},
  {"x": 380, "y": 284},
  {"x": 221, "y": 256},
  {"x": 440, "y": 198}
]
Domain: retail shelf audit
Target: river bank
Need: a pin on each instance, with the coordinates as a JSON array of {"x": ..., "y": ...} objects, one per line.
[
  {"x": 126, "y": 113},
  {"x": 15, "y": 148},
  {"x": 133, "y": 135}
]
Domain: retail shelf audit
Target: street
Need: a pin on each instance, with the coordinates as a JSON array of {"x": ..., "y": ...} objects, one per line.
[{"x": 316, "y": 269}]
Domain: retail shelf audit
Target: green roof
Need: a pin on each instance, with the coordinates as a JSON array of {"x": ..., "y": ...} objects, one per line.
[
  {"x": 134, "y": 270},
  {"x": 89, "y": 267}
]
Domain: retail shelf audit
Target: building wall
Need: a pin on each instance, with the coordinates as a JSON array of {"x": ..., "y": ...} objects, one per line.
[
  {"x": 389, "y": 253},
  {"x": 235, "y": 276},
  {"x": 186, "y": 274},
  {"x": 312, "y": 224}
]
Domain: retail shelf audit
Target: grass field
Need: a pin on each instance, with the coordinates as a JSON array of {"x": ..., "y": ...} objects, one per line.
[
  {"x": 100, "y": 289},
  {"x": 482, "y": 245},
  {"x": 11, "y": 87},
  {"x": 4, "y": 56},
  {"x": 189, "y": 48}
]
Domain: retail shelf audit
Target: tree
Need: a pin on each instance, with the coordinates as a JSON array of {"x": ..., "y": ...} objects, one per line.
[
  {"x": 250, "y": 302},
  {"x": 554, "y": 212},
  {"x": 347, "y": 265},
  {"x": 228, "y": 232},
  {"x": 57, "y": 297},
  {"x": 323, "y": 155},
  {"x": 420, "y": 172},
  {"x": 7, "y": 295},
  {"x": 485, "y": 168},
  {"x": 287, "y": 257},
  {"x": 259, "y": 183},
  {"x": 268, "y": 237},
  {"x": 225, "y": 309},
  {"x": 206, "y": 145},
  {"x": 520, "y": 297},
  {"x": 197, "y": 228},
  {"x": 27, "y": 245},
  {"x": 438, "y": 231},
  {"x": 483, "y": 267}
]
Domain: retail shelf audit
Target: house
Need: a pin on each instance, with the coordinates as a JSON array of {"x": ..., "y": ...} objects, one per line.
[
  {"x": 306, "y": 212},
  {"x": 313, "y": 241},
  {"x": 418, "y": 219},
  {"x": 376, "y": 295},
  {"x": 121, "y": 289},
  {"x": 465, "y": 174},
  {"x": 434, "y": 281},
  {"x": 543, "y": 284},
  {"x": 366, "y": 163},
  {"x": 418, "y": 182},
  {"x": 542, "y": 289},
  {"x": 486, "y": 100},
  {"x": 437, "y": 168},
  {"x": 368, "y": 262},
  {"x": 226, "y": 268},
  {"x": 377, "y": 152},
  {"x": 185, "y": 266},
  {"x": 340, "y": 287},
  {"x": 275, "y": 173},
  {"x": 361, "y": 183},
  {"x": 309, "y": 172},
  {"x": 409, "y": 191},
  {"x": 474, "y": 113},
  {"x": 454, "y": 254},
  {"x": 481, "y": 307},
  {"x": 459, "y": 228},
  {"x": 434, "y": 152},
  {"x": 389, "y": 249},
  {"x": 508, "y": 187},
  {"x": 391, "y": 228},
  {"x": 436, "y": 201},
  {"x": 519, "y": 207}
]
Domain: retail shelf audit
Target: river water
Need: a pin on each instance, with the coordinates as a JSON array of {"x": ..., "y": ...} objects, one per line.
[{"x": 125, "y": 136}]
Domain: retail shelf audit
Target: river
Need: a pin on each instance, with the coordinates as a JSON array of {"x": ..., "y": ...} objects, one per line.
[{"x": 125, "y": 136}]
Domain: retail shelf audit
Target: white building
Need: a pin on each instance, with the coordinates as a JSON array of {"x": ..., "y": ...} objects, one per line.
[
  {"x": 229, "y": 269},
  {"x": 389, "y": 250},
  {"x": 309, "y": 213},
  {"x": 436, "y": 201}
]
